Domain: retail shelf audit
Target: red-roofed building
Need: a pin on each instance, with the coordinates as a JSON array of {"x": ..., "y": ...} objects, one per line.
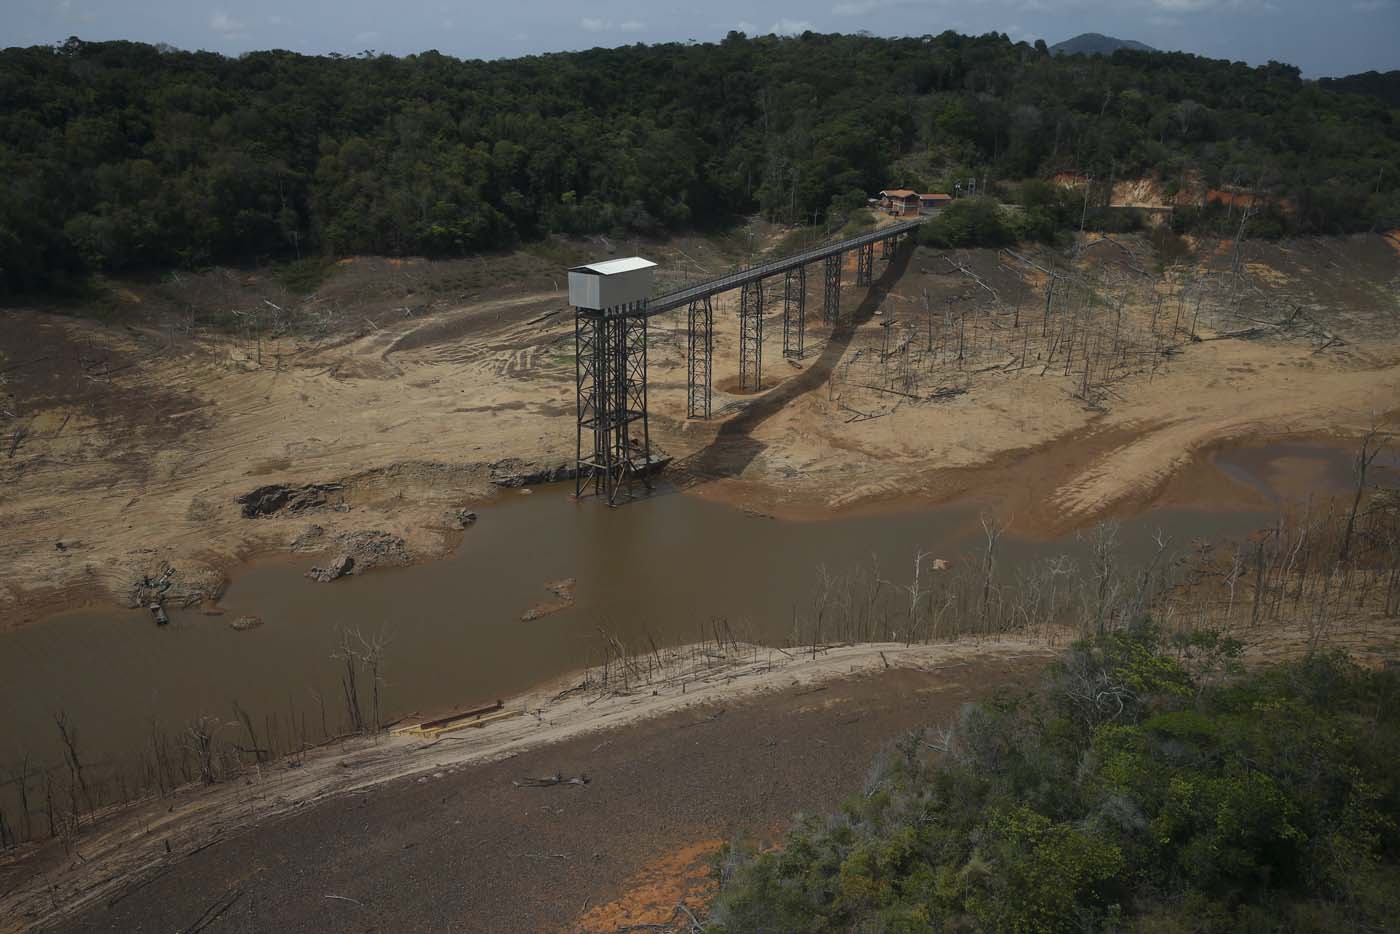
[
  {"x": 934, "y": 202},
  {"x": 899, "y": 201}
]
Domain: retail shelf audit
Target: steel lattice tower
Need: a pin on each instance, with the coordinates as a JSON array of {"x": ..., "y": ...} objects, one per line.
[
  {"x": 794, "y": 300},
  {"x": 831, "y": 297},
  {"x": 700, "y": 345},
  {"x": 751, "y": 336},
  {"x": 611, "y": 382},
  {"x": 865, "y": 264}
]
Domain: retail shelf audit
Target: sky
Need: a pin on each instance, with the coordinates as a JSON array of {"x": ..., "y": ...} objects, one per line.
[{"x": 1323, "y": 37}]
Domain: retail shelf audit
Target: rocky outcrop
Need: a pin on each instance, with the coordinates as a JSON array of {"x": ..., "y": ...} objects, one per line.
[
  {"x": 165, "y": 584},
  {"x": 372, "y": 549},
  {"x": 513, "y": 472},
  {"x": 334, "y": 571},
  {"x": 360, "y": 551},
  {"x": 277, "y": 497},
  {"x": 312, "y": 538},
  {"x": 244, "y": 623}
]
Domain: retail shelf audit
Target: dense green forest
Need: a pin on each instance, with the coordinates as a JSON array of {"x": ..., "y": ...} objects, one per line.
[
  {"x": 117, "y": 155},
  {"x": 1384, "y": 86},
  {"x": 1136, "y": 790}
]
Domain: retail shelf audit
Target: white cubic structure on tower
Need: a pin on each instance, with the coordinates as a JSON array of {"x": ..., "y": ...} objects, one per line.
[{"x": 612, "y": 283}]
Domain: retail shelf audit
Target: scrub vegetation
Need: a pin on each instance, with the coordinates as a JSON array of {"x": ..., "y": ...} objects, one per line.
[{"x": 1146, "y": 785}]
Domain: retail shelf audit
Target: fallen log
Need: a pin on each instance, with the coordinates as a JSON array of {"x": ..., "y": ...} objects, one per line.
[{"x": 549, "y": 781}]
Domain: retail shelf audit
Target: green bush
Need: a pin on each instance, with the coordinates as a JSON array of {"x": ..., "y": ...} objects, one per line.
[
  {"x": 1145, "y": 784},
  {"x": 969, "y": 222}
]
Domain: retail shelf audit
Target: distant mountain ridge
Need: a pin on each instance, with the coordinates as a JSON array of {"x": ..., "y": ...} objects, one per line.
[{"x": 1093, "y": 43}]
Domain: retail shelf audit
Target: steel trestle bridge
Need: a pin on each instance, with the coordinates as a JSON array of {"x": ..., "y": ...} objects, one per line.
[{"x": 613, "y": 439}]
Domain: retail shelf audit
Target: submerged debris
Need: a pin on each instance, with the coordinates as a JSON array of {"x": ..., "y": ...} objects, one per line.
[{"x": 563, "y": 590}]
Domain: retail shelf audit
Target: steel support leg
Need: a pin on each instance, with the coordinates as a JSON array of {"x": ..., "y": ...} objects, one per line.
[
  {"x": 794, "y": 312},
  {"x": 887, "y": 248},
  {"x": 611, "y": 383},
  {"x": 865, "y": 264},
  {"x": 751, "y": 336},
  {"x": 588, "y": 326},
  {"x": 831, "y": 295},
  {"x": 699, "y": 357}
]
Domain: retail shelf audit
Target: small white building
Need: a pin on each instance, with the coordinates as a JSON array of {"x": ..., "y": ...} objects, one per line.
[{"x": 611, "y": 283}]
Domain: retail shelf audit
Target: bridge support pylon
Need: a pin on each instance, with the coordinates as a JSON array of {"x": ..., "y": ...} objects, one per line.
[
  {"x": 700, "y": 346},
  {"x": 887, "y": 248},
  {"x": 865, "y": 264},
  {"x": 831, "y": 293},
  {"x": 794, "y": 312},
  {"x": 613, "y": 447},
  {"x": 751, "y": 336}
]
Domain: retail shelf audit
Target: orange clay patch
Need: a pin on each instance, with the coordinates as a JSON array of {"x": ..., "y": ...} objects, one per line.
[{"x": 651, "y": 896}]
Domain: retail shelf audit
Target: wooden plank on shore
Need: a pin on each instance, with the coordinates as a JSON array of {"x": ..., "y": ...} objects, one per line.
[
  {"x": 470, "y": 724},
  {"x": 439, "y": 722},
  {"x": 462, "y": 715}
]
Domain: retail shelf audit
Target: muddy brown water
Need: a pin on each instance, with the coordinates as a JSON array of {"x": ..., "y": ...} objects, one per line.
[{"x": 659, "y": 569}]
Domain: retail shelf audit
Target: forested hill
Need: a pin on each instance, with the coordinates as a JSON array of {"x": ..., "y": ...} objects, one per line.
[
  {"x": 1093, "y": 43},
  {"x": 1384, "y": 86},
  {"x": 117, "y": 155}
]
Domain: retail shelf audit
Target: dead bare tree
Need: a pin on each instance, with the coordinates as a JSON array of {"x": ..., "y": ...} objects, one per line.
[
  {"x": 77, "y": 783},
  {"x": 349, "y": 680},
  {"x": 1371, "y": 446},
  {"x": 199, "y": 737},
  {"x": 992, "y": 528}
]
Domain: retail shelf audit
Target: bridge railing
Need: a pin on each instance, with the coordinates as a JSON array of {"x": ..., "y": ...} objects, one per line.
[{"x": 734, "y": 280}]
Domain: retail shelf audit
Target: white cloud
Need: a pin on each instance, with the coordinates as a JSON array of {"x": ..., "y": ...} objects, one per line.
[
  {"x": 366, "y": 36},
  {"x": 275, "y": 20},
  {"x": 521, "y": 37},
  {"x": 855, "y": 7},
  {"x": 226, "y": 25},
  {"x": 746, "y": 26},
  {"x": 791, "y": 27},
  {"x": 633, "y": 25},
  {"x": 1371, "y": 6},
  {"x": 592, "y": 24}
]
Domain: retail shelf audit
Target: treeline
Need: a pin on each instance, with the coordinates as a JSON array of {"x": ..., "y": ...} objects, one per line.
[
  {"x": 1384, "y": 86},
  {"x": 120, "y": 155},
  {"x": 1144, "y": 786}
]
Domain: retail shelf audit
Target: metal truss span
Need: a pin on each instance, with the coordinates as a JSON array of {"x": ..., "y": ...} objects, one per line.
[
  {"x": 613, "y": 447},
  {"x": 685, "y": 296}
]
